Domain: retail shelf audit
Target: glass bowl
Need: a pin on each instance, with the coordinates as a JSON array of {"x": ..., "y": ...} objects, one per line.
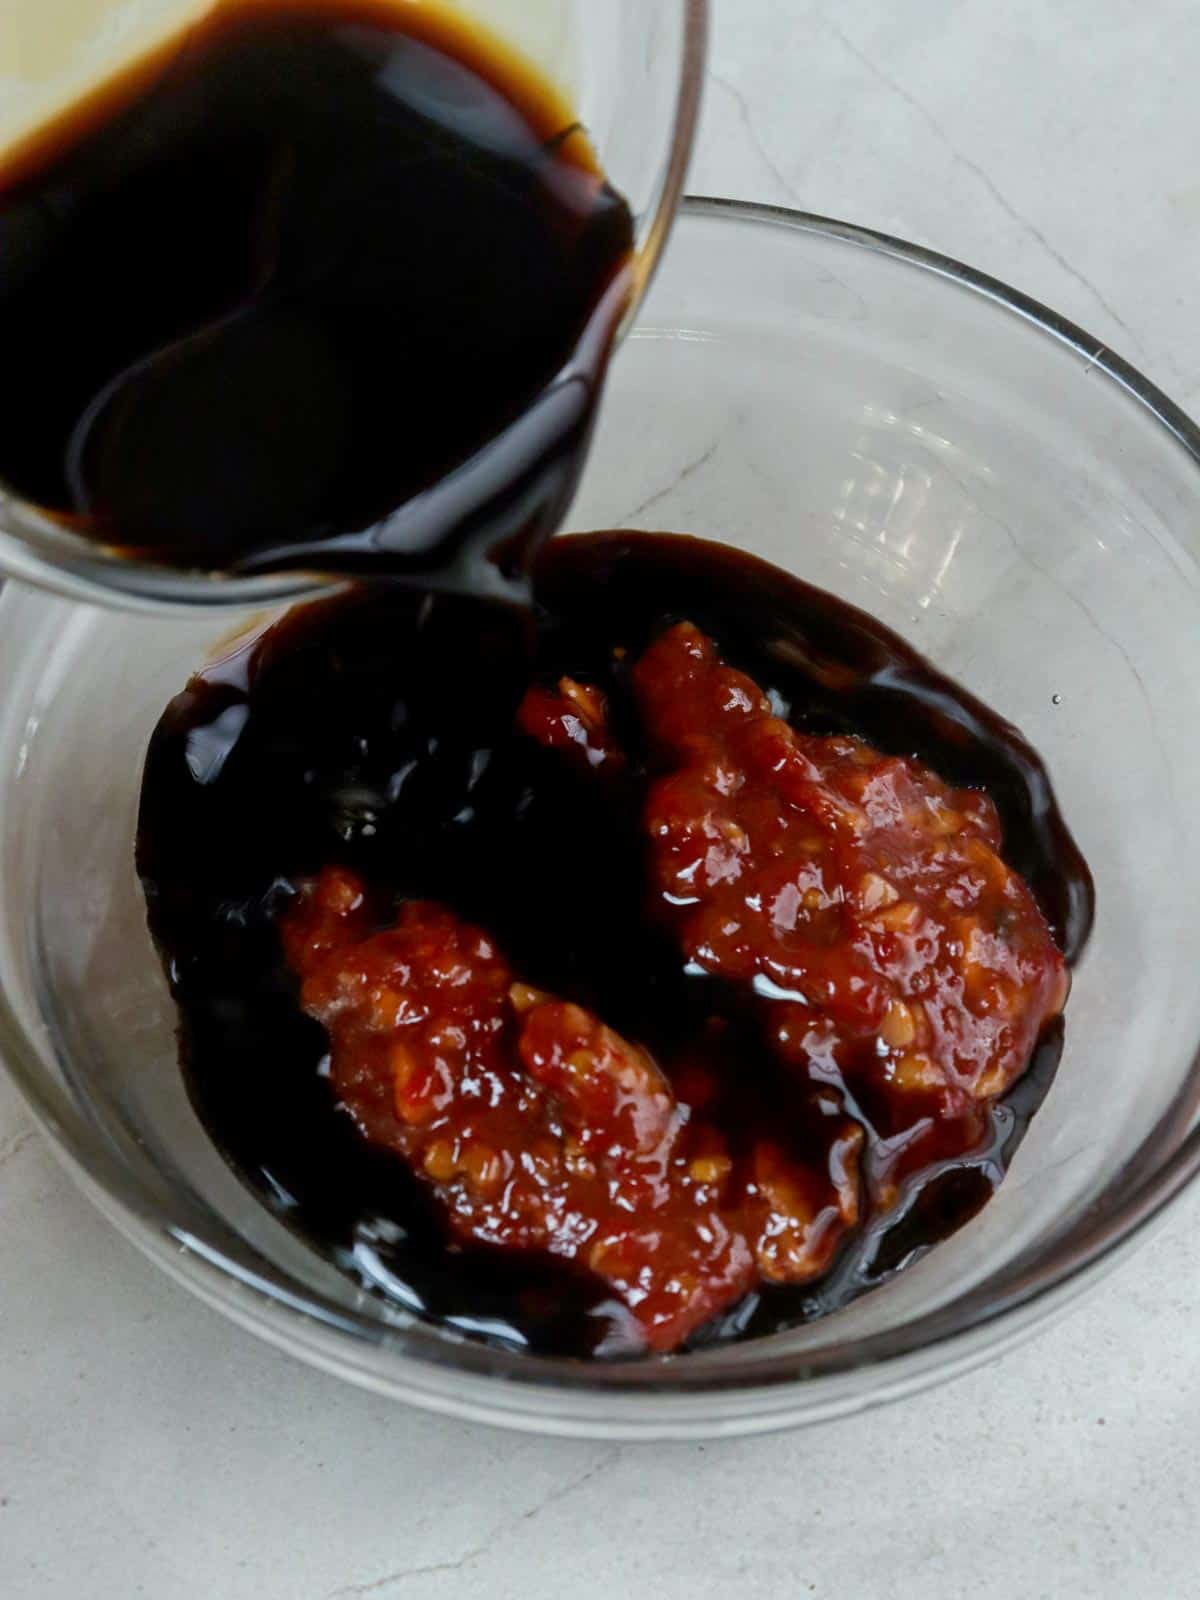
[
  {"x": 632, "y": 71},
  {"x": 915, "y": 438}
]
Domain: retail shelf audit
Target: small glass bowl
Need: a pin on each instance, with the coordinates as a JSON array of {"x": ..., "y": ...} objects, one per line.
[
  {"x": 632, "y": 72},
  {"x": 919, "y": 440}
]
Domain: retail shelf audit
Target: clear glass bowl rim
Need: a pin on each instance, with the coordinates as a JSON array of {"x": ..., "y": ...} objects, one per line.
[{"x": 749, "y": 1389}]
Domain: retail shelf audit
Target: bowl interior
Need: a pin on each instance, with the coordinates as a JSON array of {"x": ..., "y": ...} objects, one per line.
[{"x": 890, "y": 433}]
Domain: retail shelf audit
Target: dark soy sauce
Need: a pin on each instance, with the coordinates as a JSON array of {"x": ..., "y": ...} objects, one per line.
[
  {"x": 322, "y": 283},
  {"x": 375, "y": 730}
]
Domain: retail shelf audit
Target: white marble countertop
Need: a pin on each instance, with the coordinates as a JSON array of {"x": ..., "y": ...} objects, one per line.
[{"x": 148, "y": 1448}]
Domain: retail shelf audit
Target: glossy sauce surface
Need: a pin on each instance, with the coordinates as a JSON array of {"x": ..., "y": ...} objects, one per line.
[
  {"x": 413, "y": 772},
  {"x": 323, "y": 283}
]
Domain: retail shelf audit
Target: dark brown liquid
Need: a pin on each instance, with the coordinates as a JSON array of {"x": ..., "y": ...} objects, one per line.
[
  {"x": 375, "y": 730},
  {"x": 325, "y": 283}
]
